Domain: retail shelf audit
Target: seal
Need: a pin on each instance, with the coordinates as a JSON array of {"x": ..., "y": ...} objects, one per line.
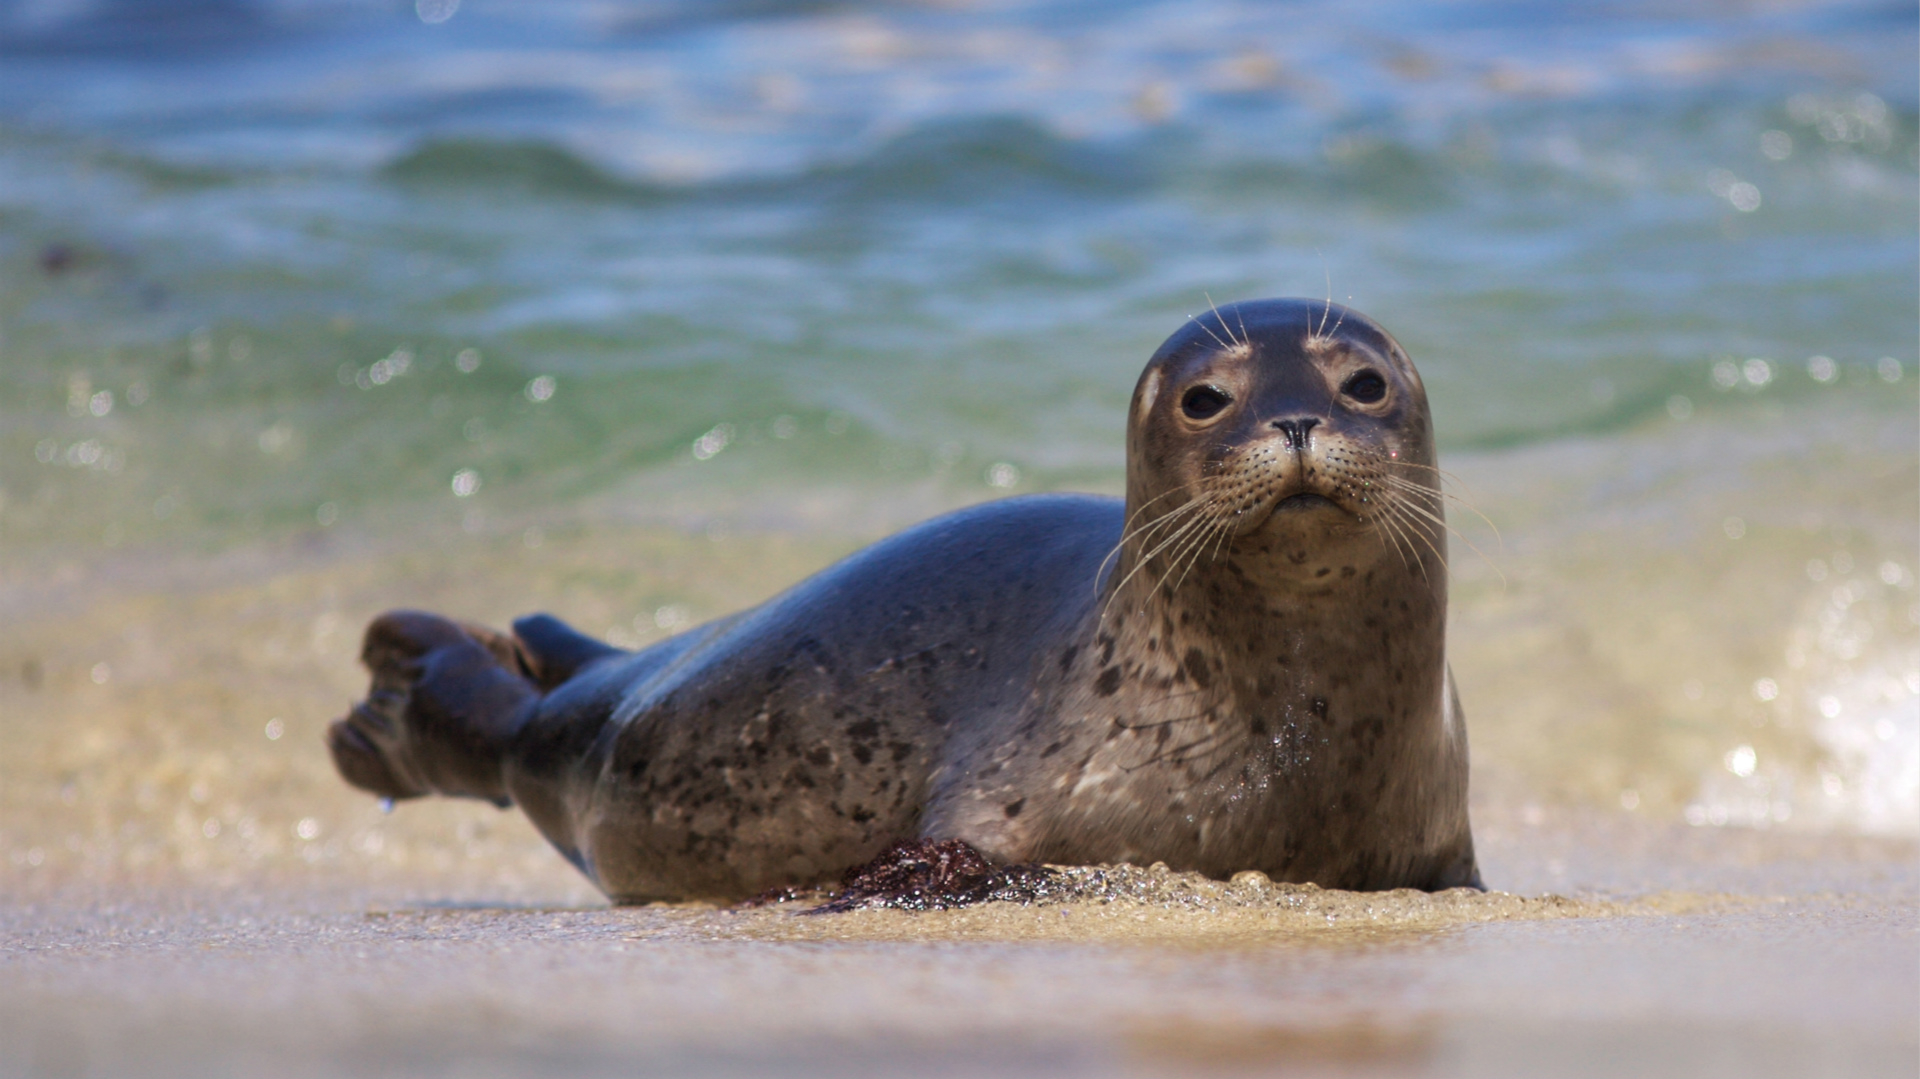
[{"x": 1242, "y": 667}]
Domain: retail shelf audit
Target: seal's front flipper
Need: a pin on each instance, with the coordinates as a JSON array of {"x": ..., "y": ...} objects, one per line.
[
  {"x": 553, "y": 651},
  {"x": 444, "y": 703}
]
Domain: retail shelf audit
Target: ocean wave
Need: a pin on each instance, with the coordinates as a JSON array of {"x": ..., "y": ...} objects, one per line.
[{"x": 948, "y": 161}]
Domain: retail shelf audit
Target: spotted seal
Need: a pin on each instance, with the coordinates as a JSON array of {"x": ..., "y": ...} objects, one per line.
[{"x": 1241, "y": 668}]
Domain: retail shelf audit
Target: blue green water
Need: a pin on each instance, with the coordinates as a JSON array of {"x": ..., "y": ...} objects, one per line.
[{"x": 243, "y": 243}]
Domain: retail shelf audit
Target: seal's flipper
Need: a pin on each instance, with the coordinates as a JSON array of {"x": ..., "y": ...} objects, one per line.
[
  {"x": 445, "y": 701},
  {"x": 553, "y": 651}
]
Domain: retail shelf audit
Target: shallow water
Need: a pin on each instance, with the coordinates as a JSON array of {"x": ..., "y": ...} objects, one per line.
[{"x": 640, "y": 313}]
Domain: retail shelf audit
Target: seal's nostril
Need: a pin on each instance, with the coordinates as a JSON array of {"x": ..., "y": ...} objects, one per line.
[{"x": 1296, "y": 431}]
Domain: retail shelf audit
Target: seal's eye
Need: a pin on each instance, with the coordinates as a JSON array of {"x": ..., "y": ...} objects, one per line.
[
  {"x": 1203, "y": 402},
  {"x": 1365, "y": 387}
]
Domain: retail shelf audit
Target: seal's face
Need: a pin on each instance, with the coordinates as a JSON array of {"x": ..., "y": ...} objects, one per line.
[{"x": 1293, "y": 432}]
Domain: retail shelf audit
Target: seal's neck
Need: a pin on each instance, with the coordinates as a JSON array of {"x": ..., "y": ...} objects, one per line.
[{"x": 1292, "y": 619}]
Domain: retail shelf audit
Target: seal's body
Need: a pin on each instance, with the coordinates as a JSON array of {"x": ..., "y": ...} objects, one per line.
[{"x": 1242, "y": 668}]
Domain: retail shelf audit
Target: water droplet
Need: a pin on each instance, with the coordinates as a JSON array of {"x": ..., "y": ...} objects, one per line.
[
  {"x": 717, "y": 438},
  {"x": 1742, "y": 760}
]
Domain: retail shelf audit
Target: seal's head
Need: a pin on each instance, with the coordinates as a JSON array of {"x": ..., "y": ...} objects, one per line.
[{"x": 1294, "y": 433}]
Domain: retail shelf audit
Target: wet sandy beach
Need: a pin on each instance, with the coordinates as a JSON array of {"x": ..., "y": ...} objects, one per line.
[{"x": 447, "y": 976}]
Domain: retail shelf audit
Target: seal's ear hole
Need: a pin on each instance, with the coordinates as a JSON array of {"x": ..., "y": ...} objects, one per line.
[
  {"x": 1365, "y": 387},
  {"x": 1204, "y": 402}
]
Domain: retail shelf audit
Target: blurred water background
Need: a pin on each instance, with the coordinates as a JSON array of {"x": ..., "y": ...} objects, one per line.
[{"x": 639, "y": 311}]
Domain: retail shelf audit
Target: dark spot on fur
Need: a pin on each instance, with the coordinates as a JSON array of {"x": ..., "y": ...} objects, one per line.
[
  {"x": 821, "y": 756},
  {"x": 1106, "y": 649},
  {"x": 863, "y": 753},
  {"x": 1108, "y": 683},
  {"x": 1346, "y": 571},
  {"x": 1067, "y": 657},
  {"x": 1014, "y": 807},
  {"x": 1051, "y": 750},
  {"x": 861, "y": 814},
  {"x": 1197, "y": 669},
  {"x": 1323, "y": 571}
]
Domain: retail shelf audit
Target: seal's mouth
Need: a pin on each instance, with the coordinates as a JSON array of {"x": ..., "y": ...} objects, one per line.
[
  {"x": 1304, "y": 502},
  {"x": 1298, "y": 507}
]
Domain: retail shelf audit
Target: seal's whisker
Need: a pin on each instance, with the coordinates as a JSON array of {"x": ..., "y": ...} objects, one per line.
[
  {"x": 1221, "y": 533},
  {"x": 1402, "y": 539},
  {"x": 1180, "y": 556},
  {"x": 1145, "y": 532},
  {"x": 1320, "y": 331},
  {"x": 1188, "y": 553},
  {"x": 1339, "y": 322},
  {"x": 1391, "y": 512},
  {"x": 1419, "y": 533},
  {"x": 1223, "y": 537},
  {"x": 1241, "y": 343},
  {"x": 1457, "y": 500},
  {"x": 1224, "y": 346},
  {"x": 1407, "y": 493},
  {"x": 1388, "y": 531},
  {"x": 1147, "y": 558},
  {"x": 1190, "y": 557},
  {"x": 1127, "y": 534},
  {"x": 1442, "y": 522}
]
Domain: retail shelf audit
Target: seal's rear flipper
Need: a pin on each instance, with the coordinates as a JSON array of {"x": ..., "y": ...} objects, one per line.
[
  {"x": 552, "y": 651},
  {"x": 445, "y": 701}
]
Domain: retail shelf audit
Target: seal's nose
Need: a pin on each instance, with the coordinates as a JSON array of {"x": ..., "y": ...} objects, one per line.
[{"x": 1296, "y": 431}]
